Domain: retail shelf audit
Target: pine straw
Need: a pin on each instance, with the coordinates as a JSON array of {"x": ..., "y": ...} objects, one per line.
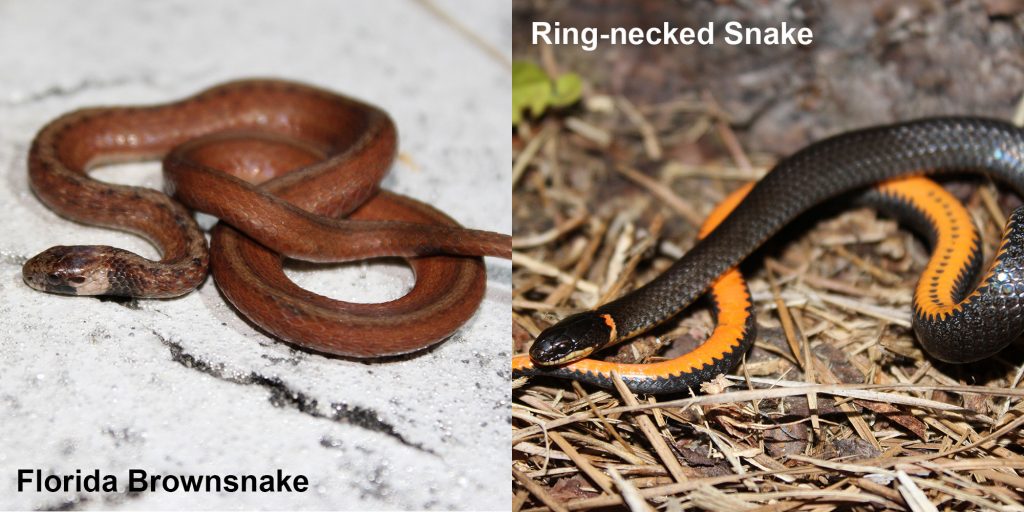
[{"x": 836, "y": 407}]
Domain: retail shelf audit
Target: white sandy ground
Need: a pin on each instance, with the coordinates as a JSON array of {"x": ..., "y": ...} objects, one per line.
[{"x": 186, "y": 386}]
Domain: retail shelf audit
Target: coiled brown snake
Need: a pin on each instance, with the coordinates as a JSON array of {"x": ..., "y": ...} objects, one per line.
[{"x": 319, "y": 157}]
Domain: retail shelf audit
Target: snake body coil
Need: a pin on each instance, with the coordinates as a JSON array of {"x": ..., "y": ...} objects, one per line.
[
  {"x": 953, "y": 322},
  {"x": 282, "y": 163}
]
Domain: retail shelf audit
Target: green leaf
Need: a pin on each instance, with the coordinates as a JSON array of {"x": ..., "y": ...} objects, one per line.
[{"x": 534, "y": 91}]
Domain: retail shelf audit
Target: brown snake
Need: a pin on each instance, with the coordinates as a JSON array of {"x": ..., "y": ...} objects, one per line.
[{"x": 319, "y": 158}]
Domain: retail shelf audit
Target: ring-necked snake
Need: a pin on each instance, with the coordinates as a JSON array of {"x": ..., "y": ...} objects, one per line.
[
  {"x": 953, "y": 322},
  {"x": 317, "y": 156}
]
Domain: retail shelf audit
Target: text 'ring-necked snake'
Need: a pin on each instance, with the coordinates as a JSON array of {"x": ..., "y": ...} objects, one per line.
[
  {"x": 292, "y": 171},
  {"x": 953, "y": 321}
]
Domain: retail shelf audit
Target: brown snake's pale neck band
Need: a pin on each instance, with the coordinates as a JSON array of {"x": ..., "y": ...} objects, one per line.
[{"x": 336, "y": 149}]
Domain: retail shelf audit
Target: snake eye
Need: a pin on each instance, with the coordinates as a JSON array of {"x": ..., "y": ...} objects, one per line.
[
  {"x": 53, "y": 278},
  {"x": 77, "y": 279}
]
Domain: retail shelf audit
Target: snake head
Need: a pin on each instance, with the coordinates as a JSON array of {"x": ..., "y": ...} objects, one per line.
[
  {"x": 69, "y": 270},
  {"x": 574, "y": 338}
]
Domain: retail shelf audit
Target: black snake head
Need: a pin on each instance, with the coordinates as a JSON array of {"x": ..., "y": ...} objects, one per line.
[
  {"x": 70, "y": 270},
  {"x": 574, "y": 338}
]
